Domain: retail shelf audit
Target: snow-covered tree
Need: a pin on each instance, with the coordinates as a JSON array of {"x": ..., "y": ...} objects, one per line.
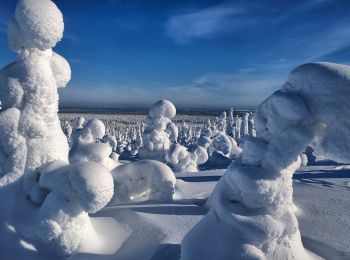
[
  {"x": 231, "y": 124},
  {"x": 184, "y": 160},
  {"x": 238, "y": 125},
  {"x": 222, "y": 122},
  {"x": 89, "y": 145},
  {"x": 136, "y": 143},
  {"x": 184, "y": 133},
  {"x": 75, "y": 191},
  {"x": 67, "y": 130},
  {"x": 245, "y": 125},
  {"x": 32, "y": 143},
  {"x": 30, "y": 128},
  {"x": 251, "y": 209},
  {"x": 159, "y": 131},
  {"x": 205, "y": 137},
  {"x": 252, "y": 131}
]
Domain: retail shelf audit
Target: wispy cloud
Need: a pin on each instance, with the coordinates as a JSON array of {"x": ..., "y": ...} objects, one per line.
[
  {"x": 205, "y": 23},
  {"x": 244, "y": 87}
]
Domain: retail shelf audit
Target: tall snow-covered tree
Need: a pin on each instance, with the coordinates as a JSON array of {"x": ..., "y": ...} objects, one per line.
[
  {"x": 158, "y": 131},
  {"x": 231, "y": 124},
  {"x": 222, "y": 122},
  {"x": 251, "y": 209}
]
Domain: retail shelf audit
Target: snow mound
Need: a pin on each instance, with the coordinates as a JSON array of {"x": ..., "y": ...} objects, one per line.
[
  {"x": 92, "y": 185},
  {"x": 74, "y": 191},
  {"x": 251, "y": 209},
  {"x": 143, "y": 180}
]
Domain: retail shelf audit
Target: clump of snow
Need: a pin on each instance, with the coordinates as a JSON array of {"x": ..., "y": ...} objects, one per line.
[
  {"x": 221, "y": 147},
  {"x": 304, "y": 160},
  {"x": 251, "y": 209},
  {"x": 37, "y": 24},
  {"x": 75, "y": 191},
  {"x": 112, "y": 141},
  {"x": 95, "y": 128},
  {"x": 79, "y": 123},
  {"x": 183, "y": 160},
  {"x": 143, "y": 180},
  {"x": 159, "y": 131}
]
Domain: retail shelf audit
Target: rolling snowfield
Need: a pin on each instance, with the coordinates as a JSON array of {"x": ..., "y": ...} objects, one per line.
[{"x": 155, "y": 230}]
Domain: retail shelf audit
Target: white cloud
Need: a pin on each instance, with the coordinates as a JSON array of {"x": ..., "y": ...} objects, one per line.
[{"x": 205, "y": 23}]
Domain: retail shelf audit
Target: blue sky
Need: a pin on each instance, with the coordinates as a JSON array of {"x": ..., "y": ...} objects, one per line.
[{"x": 196, "y": 53}]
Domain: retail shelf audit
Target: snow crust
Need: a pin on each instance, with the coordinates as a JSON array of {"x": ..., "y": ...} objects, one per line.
[{"x": 251, "y": 209}]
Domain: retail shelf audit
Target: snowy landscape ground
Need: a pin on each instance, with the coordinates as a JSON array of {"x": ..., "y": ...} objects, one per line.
[
  {"x": 273, "y": 183},
  {"x": 153, "y": 230}
]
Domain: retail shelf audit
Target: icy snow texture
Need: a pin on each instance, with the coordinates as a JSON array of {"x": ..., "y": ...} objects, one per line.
[
  {"x": 143, "y": 180},
  {"x": 75, "y": 191},
  {"x": 28, "y": 89},
  {"x": 159, "y": 131},
  {"x": 251, "y": 214},
  {"x": 183, "y": 160}
]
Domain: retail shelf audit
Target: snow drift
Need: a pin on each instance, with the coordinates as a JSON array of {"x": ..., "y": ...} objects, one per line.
[{"x": 251, "y": 209}]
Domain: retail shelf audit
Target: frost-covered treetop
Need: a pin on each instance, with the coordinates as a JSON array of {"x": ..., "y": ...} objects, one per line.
[
  {"x": 163, "y": 108},
  {"x": 321, "y": 97},
  {"x": 327, "y": 99},
  {"x": 96, "y": 127},
  {"x": 37, "y": 24}
]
